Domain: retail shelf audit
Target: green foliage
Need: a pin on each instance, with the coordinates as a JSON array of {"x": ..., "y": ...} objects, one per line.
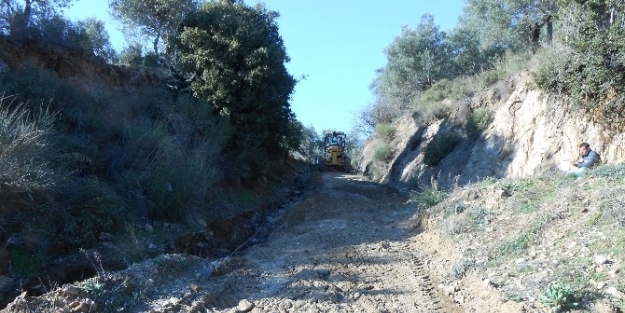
[
  {"x": 429, "y": 112},
  {"x": 155, "y": 19},
  {"x": 25, "y": 152},
  {"x": 93, "y": 37},
  {"x": 429, "y": 198},
  {"x": 443, "y": 89},
  {"x": 237, "y": 60},
  {"x": 478, "y": 216},
  {"x": 24, "y": 263},
  {"x": 170, "y": 181},
  {"x": 17, "y": 16},
  {"x": 613, "y": 172},
  {"x": 510, "y": 24},
  {"x": 382, "y": 153},
  {"x": 477, "y": 122},
  {"x": 77, "y": 110},
  {"x": 519, "y": 243},
  {"x": 415, "y": 61},
  {"x": 92, "y": 207},
  {"x": 439, "y": 147},
  {"x": 386, "y": 131},
  {"x": 558, "y": 297},
  {"x": 589, "y": 63}
]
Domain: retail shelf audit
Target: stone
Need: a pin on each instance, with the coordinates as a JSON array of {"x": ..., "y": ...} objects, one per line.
[
  {"x": 148, "y": 228},
  {"x": 323, "y": 272},
  {"x": 245, "y": 306},
  {"x": 600, "y": 259},
  {"x": 614, "y": 293},
  {"x": 73, "y": 291}
]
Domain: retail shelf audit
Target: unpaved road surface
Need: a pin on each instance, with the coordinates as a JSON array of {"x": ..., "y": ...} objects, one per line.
[{"x": 344, "y": 247}]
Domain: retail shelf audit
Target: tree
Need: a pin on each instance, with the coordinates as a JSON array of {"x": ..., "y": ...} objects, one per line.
[
  {"x": 415, "y": 61},
  {"x": 94, "y": 37},
  {"x": 235, "y": 59},
  {"x": 16, "y": 15},
  {"x": 465, "y": 52},
  {"x": 155, "y": 19},
  {"x": 511, "y": 24},
  {"x": 591, "y": 67}
]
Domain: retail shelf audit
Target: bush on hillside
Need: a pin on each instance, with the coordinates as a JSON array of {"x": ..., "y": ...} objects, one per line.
[
  {"x": 477, "y": 122},
  {"x": 439, "y": 147},
  {"x": 384, "y": 130},
  {"x": 383, "y": 153},
  {"x": 25, "y": 150}
]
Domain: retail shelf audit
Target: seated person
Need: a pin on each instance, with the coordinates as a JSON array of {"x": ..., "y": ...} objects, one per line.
[{"x": 587, "y": 159}]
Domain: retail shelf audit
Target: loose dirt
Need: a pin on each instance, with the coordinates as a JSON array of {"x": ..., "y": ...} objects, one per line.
[{"x": 347, "y": 245}]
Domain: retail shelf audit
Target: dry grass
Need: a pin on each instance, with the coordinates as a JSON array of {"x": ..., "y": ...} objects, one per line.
[{"x": 528, "y": 234}]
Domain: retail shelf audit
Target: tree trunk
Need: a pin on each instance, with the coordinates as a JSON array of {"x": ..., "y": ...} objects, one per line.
[{"x": 549, "y": 29}]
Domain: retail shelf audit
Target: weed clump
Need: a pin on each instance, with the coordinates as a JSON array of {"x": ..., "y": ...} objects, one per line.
[{"x": 439, "y": 147}]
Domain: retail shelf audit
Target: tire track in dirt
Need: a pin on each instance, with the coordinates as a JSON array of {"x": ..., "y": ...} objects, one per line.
[{"x": 345, "y": 247}]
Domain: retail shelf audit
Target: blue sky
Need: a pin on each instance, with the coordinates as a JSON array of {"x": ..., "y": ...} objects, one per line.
[{"x": 336, "y": 45}]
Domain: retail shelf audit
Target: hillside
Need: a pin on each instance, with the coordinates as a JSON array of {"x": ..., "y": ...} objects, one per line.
[{"x": 529, "y": 132}]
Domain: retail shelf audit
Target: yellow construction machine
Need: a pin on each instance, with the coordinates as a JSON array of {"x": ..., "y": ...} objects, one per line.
[{"x": 335, "y": 152}]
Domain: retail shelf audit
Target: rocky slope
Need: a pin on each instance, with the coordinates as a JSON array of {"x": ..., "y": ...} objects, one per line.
[{"x": 531, "y": 133}]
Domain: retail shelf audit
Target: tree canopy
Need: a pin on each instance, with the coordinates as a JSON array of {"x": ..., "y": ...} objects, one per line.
[
  {"x": 235, "y": 59},
  {"x": 154, "y": 19},
  {"x": 16, "y": 15}
]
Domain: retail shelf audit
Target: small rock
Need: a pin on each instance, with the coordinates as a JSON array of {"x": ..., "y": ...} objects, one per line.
[
  {"x": 148, "y": 228},
  {"x": 614, "y": 293},
  {"x": 72, "y": 291},
  {"x": 521, "y": 260},
  {"x": 245, "y": 306},
  {"x": 449, "y": 290},
  {"x": 600, "y": 259},
  {"x": 323, "y": 272},
  {"x": 152, "y": 246}
]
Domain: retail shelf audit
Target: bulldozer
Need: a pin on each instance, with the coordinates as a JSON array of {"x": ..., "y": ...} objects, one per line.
[{"x": 335, "y": 152}]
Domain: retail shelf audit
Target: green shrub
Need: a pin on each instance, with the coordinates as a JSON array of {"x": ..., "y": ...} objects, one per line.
[
  {"x": 384, "y": 130},
  {"x": 477, "y": 122},
  {"x": 382, "y": 153},
  {"x": 429, "y": 112},
  {"x": 445, "y": 89},
  {"x": 25, "y": 150},
  {"x": 77, "y": 110},
  {"x": 91, "y": 207},
  {"x": 558, "y": 297},
  {"x": 172, "y": 175},
  {"x": 478, "y": 216},
  {"x": 429, "y": 198},
  {"x": 439, "y": 147}
]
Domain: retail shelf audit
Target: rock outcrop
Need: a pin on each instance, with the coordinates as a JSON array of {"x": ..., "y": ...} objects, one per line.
[{"x": 531, "y": 133}]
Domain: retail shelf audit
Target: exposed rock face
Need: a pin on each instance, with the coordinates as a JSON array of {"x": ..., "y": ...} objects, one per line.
[{"x": 531, "y": 133}]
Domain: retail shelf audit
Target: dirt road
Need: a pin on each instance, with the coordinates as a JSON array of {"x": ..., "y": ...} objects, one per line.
[{"x": 344, "y": 247}]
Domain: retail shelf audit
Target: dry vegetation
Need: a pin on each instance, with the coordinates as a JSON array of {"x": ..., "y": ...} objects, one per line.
[{"x": 543, "y": 241}]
